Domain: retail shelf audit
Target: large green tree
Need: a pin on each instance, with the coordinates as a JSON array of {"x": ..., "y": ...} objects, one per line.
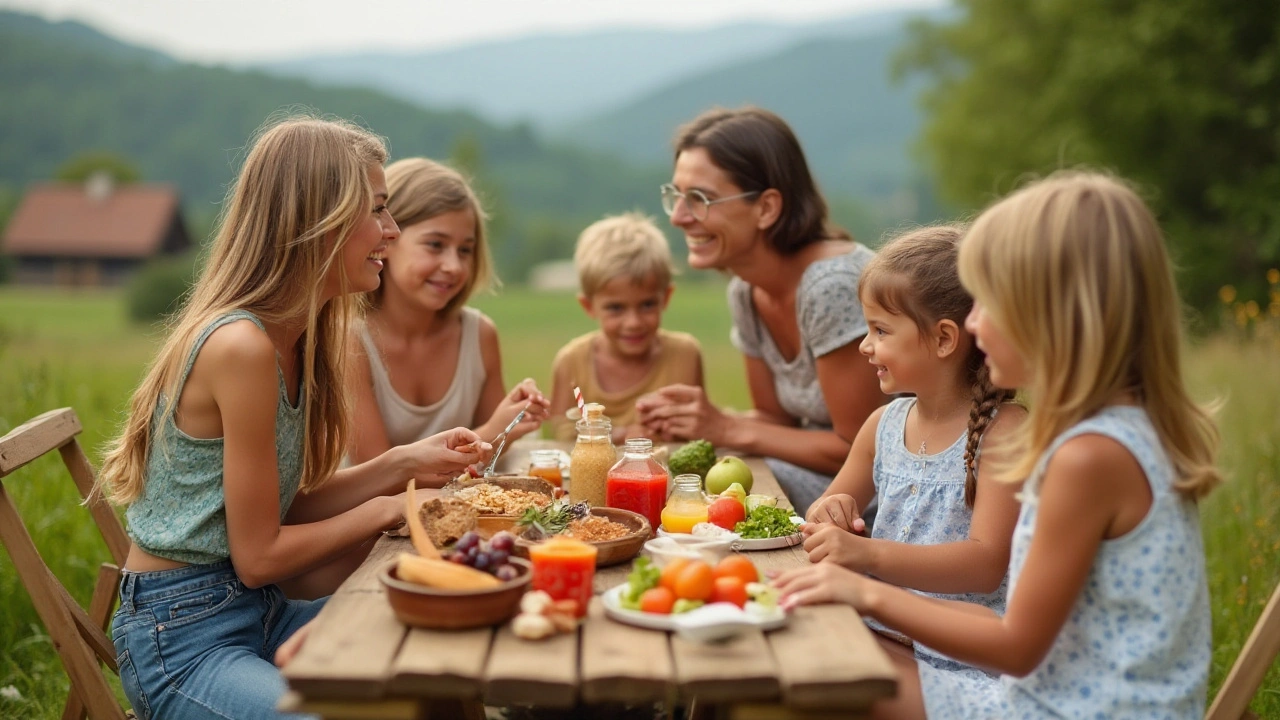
[{"x": 1181, "y": 96}]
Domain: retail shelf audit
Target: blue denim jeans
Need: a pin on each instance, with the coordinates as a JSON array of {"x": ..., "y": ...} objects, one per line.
[{"x": 195, "y": 642}]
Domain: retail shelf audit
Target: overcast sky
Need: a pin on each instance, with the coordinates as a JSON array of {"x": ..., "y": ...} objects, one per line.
[{"x": 248, "y": 30}]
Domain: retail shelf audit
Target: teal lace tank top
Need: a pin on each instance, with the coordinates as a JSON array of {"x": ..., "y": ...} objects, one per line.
[{"x": 182, "y": 513}]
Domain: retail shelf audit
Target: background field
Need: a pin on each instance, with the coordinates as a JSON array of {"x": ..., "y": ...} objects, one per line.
[{"x": 78, "y": 350}]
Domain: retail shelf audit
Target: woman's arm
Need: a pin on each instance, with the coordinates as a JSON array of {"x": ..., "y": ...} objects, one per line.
[
  {"x": 369, "y": 432},
  {"x": 851, "y": 392},
  {"x": 975, "y": 564},
  {"x": 853, "y": 487},
  {"x": 1089, "y": 481}
]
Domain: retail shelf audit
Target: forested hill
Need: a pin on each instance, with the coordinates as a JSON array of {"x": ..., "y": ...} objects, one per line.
[
  {"x": 837, "y": 93},
  {"x": 69, "y": 89}
]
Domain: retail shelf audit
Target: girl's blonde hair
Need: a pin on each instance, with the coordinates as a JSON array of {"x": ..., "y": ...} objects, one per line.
[
  {"x": 421, "y": 189},
  {"x": 915, "y": 275},
  {"x": 1073, "y": 270},
  {"x": 302, "y": 190}
]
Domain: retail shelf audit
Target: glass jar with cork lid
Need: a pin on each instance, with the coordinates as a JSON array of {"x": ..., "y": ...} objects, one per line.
[{"x": 593, "y": 454}]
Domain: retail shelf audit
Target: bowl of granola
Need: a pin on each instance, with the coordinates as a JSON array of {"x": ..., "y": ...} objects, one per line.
[{"x": 617, "y": 534}]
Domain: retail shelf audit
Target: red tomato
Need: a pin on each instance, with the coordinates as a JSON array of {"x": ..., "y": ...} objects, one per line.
[
  {"x": 657, "y": 600},
  {"x": 695, "y": 581},
  {"x": 729, "y": 589},
  {"x": 726, "y": 512},
  {"x": 737, "y": 566},
  {"x": 672, "y": 571}
]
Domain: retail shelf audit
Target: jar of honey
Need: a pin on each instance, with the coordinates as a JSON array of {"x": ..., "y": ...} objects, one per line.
[
  {"x": 593, "y": 454},
  {"x": 545, "y": 464},
  {"x": 687, "y": 505},
  {"x": 638, "y": 482}
]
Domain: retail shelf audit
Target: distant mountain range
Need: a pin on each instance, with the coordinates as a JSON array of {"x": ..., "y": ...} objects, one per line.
[
  {"x": 626, "y": 91},
  {"x": 555, "y": 79}
]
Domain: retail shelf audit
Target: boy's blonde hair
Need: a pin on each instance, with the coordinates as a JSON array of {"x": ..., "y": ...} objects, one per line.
[
  {"x": 915, "y": 275},
  {"x": 421, "y": 189},
  {"x": 303, "y": 189},
  {"x": 629, "y": 245},
  {"x": 1073, "y": 270}
]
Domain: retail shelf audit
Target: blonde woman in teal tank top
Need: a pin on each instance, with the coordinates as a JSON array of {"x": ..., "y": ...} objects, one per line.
[{"x": 229, "y": 458}]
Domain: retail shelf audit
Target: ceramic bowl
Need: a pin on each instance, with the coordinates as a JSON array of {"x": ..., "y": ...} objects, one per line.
[
  {"x": 421, "y": 606},
  {"x": 609, "y": 552},
  {"x": 666, "y": 547}
]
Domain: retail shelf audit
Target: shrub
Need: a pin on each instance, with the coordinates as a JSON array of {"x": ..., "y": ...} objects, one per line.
[{"x": 159, "y": 287}]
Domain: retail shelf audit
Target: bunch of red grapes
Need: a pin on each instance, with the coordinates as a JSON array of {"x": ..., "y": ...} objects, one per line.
[{"x": 490, "y": 556}]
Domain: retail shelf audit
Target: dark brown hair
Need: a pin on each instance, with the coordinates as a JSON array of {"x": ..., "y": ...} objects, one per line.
[
  {"x": 758, "y": 151},
  {"x": 915, "y": 275}
]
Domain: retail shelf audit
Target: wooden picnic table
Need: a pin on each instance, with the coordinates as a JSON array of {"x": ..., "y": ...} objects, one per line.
[{"x": 359, "y": 661}]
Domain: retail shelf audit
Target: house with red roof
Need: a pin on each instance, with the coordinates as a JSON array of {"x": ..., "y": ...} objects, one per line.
[{"x": 95, "y": 233}]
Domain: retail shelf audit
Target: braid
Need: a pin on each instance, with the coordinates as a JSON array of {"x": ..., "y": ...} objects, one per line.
[{"x": 986, "y": 399}]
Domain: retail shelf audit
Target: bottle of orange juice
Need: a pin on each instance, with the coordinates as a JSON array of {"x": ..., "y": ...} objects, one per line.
[{"x": 687, "y": 505}]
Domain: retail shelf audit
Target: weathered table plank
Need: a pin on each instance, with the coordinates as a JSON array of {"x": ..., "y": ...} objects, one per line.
[
  {"x": 442, "y": 663},
  {"x": 820, "y": 669},
  {"x": 621, "y": 663},
  {"x": 349, "y": 652},
  {"x": 739, "y": 669},
  {"x": 521, "y": 672}
]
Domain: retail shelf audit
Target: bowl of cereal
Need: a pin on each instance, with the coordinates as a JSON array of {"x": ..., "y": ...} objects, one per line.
[{"x": 617, "y": 534}]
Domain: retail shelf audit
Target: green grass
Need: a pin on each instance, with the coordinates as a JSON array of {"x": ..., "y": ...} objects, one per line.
[{"x": 76, "y": 349}]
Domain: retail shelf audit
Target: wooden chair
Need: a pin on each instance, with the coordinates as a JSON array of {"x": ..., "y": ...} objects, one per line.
[
  {"x": 1246, "y": 675},
  {"x": 79, "y": 637}
]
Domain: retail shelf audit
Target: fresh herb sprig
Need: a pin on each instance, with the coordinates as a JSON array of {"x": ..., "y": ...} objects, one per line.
[{"x": 553, "y": 519}]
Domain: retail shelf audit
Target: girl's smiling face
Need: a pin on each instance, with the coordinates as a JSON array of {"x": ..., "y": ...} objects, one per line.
[
  {"x": 433, "y": 259},
  {"x": 365, "y": 248},
  {"x": 895, "y": 347}
]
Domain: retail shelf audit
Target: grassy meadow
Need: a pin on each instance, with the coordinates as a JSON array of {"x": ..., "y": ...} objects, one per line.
[{"x": 77, "y": 349}]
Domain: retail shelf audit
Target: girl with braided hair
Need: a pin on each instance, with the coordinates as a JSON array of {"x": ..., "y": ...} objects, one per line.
[{"x": 944, "y": 526}]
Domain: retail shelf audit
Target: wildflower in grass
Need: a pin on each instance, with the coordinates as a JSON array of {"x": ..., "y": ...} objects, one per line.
[{"x": 1227, "y": 294}]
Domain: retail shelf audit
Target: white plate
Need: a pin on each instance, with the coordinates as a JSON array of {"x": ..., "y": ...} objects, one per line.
[
  {"x": 706, "y": 624},
  {"x": 750, "y": 544}
]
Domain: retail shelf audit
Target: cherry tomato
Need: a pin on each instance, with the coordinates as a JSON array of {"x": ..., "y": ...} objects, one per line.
[
  {"x": 729, "y": 589},
  {"x": 737, "y": 566},
  {"x": 658, "y": 600},
  {"x": 695, "y": 581},
  {"x": 671, "y": 571}
]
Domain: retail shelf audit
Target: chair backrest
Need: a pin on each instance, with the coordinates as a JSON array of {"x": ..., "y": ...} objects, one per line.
[
  {"x": 79, "y": 636},
  {"x": 1246, "y": 675}
]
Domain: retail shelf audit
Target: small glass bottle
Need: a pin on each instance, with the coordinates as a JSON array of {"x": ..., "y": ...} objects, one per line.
[
  {"x": 593, "y": 454},
  {"x": 687, "y": 505},
  {"x": 545, "y": 464},
  {"x": 638, "y": 482}
]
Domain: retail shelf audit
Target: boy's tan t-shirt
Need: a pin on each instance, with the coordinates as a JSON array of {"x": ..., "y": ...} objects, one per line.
[{"x": 677, "y": 362}]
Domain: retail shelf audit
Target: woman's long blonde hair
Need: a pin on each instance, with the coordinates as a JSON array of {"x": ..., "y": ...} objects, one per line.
[
  {"x": 302, "y": 190},
  {"x": 1073, "y": 270},
  {"x": 420, "y": 189}
]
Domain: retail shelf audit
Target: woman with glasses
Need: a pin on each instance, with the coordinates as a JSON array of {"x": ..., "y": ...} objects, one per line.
[{"x": 742, "y": 194}]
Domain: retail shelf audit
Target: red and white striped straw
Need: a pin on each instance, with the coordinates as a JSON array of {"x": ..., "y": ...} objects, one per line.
[{"x": 582, "y": 405}]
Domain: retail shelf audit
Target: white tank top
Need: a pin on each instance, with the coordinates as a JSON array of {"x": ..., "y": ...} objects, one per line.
[{"x": 406, "y": 422}]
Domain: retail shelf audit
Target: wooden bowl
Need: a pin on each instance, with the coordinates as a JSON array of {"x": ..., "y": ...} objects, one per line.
[
  {"x": 421, "y": 606},
  {"x": 609, "y": 552}
]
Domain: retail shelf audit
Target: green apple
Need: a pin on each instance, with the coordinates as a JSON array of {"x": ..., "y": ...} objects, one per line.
[{"x": 727, "y": 471}]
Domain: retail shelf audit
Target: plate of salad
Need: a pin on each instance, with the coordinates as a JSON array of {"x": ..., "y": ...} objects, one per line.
[
  {"x": 692, "y": 618},
  {"x": 766, "y": 527}
]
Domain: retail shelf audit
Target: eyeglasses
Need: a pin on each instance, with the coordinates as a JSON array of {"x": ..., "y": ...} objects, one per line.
[{"x": 695, "y": 200}]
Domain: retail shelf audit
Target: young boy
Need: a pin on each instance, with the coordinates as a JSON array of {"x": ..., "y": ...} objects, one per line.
[{"x": 624, "y": 270}]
